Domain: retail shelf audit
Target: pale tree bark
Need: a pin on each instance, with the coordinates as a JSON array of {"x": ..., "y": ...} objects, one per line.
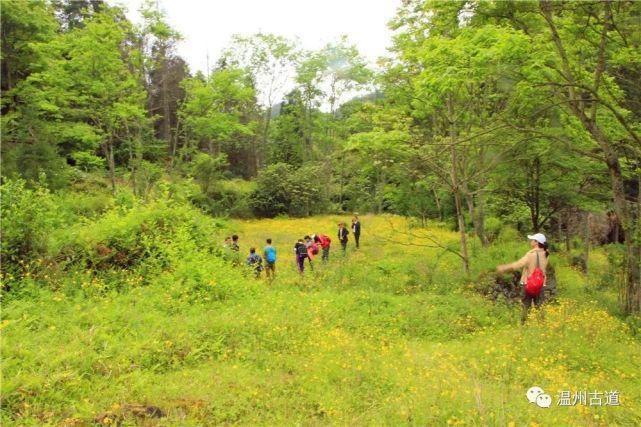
[
  {"x": 460, "y": 216},
  {"x": 108, "y": 150}
]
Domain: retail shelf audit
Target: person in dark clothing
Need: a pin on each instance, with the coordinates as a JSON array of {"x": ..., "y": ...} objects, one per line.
[
  {"x": 255, "y": 262},
  {"x": 342, "y": 236},
  {"x": 356, "y": 229},
  {"x": 300, "y": 250}
]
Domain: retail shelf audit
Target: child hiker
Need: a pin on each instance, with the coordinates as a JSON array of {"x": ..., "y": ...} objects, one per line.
[
  {"x": 235, "y": 250},
  {"x": 255, "y": 262}
]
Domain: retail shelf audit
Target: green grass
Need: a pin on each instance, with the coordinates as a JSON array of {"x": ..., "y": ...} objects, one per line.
[{"x": 391, "y": 334}]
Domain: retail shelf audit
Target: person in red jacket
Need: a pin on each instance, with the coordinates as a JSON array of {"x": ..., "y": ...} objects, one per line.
[{"x": 325, "y": 242}]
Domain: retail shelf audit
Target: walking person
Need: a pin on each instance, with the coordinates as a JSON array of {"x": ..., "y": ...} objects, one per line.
[
  {"x": 312, "y": 250},
  {"x": 342, "y": 236},
  {"x": 255, "y": 262},
  {"x": 533, "y": 279},
  {"x": 300, "y": 250},
  {"x": 269, "y": 252},
  {"x": 356, "y": 229},
  {"x": 235, "y": 250},
  {"x": 325, "y": 242}
]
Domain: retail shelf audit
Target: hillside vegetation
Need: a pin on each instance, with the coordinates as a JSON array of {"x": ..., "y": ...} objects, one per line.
[
  {"x": 123, "y": 168},
  {"x": 389, "y": 334}
]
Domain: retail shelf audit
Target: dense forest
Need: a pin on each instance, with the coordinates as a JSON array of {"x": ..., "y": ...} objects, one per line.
[{"x": 484, "y": 114}]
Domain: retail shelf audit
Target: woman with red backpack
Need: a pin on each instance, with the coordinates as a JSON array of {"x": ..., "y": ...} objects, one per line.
[
  {"x": 533, "y": 265},
  {"x": 325, "y": 242}
]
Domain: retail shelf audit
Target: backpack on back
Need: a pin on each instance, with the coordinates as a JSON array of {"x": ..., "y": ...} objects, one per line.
[
  {"x": 535, "y": 281},
  {"x": 325, "y": 240},
  {"x": 301, "y": 250},
  {"x": 270, "y": 255}
]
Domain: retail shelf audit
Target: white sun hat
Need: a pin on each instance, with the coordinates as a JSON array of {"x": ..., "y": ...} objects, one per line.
[{"x": 539, "y": 237}]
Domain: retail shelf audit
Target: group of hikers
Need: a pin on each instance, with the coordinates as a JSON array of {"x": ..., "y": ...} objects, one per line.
[
  {"x": 533, "y": 264},
  {"x": 306, "y": 248}
]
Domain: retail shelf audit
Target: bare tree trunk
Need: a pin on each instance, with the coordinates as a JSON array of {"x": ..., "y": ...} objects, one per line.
[
  {"x": 586, "y": 241},
  {"x": 568, "y": 247},
  {"x": 479, "y": 221},
  {"x": 341, "y": 184},
  {"x": 438, "y": 204},
  {"x": 268, "y": 118},
  {"x": 455, "y": 187},
  {"x": 108, "y": 150},
  {"x": 132, "y": 168},
  {"x": 461, "y": 226},
  {"x": 174, "y": 145},
  {"x": 166, "y": 112},
  {"x": 380, "y": 192}
]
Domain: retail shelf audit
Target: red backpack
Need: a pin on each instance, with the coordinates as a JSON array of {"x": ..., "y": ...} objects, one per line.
[
  {"x": 535, "y": 281},
  {"x": 324, "y": 241},
  {"x": 314, "y": 248}
]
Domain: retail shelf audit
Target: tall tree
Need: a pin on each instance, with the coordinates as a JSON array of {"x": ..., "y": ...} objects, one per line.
[
  {"x": 86, "y": 96},
  {"x": 453, "y": 89},
  {"x": 586, "y": 54},
  {"x": 73, "y": 13},
  {"x": 217, "y": 114},
  {"x": 22, "y": 24},
  {"x": 162, "y": 71},
  {"x": 270, "y": 59}
]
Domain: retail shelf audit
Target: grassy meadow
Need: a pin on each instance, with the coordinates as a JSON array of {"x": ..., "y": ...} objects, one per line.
[{"x": 391, "y": 334}]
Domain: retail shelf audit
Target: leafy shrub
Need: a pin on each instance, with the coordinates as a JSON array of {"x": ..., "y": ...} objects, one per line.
[
  {"x": 36, "y": 162},
  {"x": 75, "y": 204},
  {"x": 147, "y": 175},
  {"x": 357, "y": 195},
  {"x": 508, "y": 233},
  {"x": 152, "y": 237},
  {"x": 608, "y": 267},
  {"x": 493, "y": 227},
  {"x": 28, "y": 217},
  {"x": 207, "y": 170},
  {"x": 87, "y": 161},
  {"x": 304, "y": 191},
  {"x": 226, "y": 198},
  {"x": 271, "y": 196},
  {"x": 282, "y": 189}
]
